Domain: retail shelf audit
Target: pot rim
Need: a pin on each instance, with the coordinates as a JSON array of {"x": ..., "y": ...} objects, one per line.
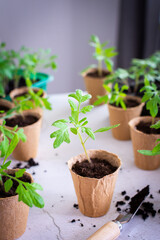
[
  {"x": 15, "y": 196},
  {"x": 20, "y": 90},
  {"x": 141, "y": 104},
  {"x": 92, "y": 150},
  {"x": 27, "y": 112},
  {"x": 136, "y": 120},
  {"x": 84, "y": 74}
]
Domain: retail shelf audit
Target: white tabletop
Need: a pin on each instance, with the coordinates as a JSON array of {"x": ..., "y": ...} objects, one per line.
[{"x": 53, "y": 222}]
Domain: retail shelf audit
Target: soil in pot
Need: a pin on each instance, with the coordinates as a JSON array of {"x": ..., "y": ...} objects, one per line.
[
  {"x": 21, "y": 121},
  {"x": 129, "y": 103},
  {"x": 97, "y": 169},
  {"x": 145, "y": 128},
  {"x": 4, "y": 108},
  {"x": 12, "y": 191},
  {"x": 95, "y": 74}
]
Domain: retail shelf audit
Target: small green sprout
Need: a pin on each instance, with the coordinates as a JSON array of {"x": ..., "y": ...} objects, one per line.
[
  {"x": 26, "y": 191},
  {"x": 102, "y": 54},
  {"x": 76, "y": 125},
  {"x": 156, "y": 150},
  {"x": 115, "y": 95},
  {"x": 151, "y": 97}
]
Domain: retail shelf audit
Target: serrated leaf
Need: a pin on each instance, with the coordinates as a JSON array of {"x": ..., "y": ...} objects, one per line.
[
  {"x": 21, "y": 135},
  {"x": 72, "y": 105},
  {"x": 156, "y": 125},
  {"x": 73, "y": 130},
  {"x": 87, "y": 109},
  {"x": 24, "y": 196},
  {"x": 104, "y": 129},
  {"x": 85, "y": 97},
  {"x": 82, "y": 120},
  {"x": 89, "y": 132},
  {"x": 20, "y": 173},
  {"x": 6, "y": 165},
  {"x": 7, "y": 185},
  {"x": 12, "y": 146}
]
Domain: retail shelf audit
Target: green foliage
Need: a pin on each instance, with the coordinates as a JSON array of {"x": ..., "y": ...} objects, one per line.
[
  {"x": 29, "y": 61},
  {"x": 151, "y": 97},
  {"x": 115, "y": 95},
  {"x": 76, "y": 125},
  {"x": 119, "y": 76},
  {"x": 102, "y": 54},
  {"x": 26, "y": 191},
  {"x": 156, "y": 150}
]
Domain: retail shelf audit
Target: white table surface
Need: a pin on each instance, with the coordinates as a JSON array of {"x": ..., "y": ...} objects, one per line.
[{"x": 53, "y": 222}]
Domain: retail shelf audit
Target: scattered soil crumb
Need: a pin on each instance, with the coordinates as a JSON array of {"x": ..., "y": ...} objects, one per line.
[
  {"x": 123, "y": 193},
  {"x": 75, "y": 205}
]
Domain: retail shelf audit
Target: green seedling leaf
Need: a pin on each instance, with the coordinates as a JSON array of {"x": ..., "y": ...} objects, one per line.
[
  {"x": 156, "y": 125},
  {"x": 7, "y": 185},
  {"x": 72, "y": 105},
  {"x": 87, "y": 109},
  {"x": 20, "y": 173},
  {"x": 106, "y": 128},
  {"x": 89, "y": 132},
  {"x": 74, "y": 130},
  {"x": 6, "y": 165},
  {"x": 12, "y": 146},
  {"x": 148, "y": 152}
]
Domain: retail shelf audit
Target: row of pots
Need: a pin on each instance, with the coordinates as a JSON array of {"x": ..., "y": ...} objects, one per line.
[
  {"x": 26, "y": 150},
  {"x": 127, "y": 129}
]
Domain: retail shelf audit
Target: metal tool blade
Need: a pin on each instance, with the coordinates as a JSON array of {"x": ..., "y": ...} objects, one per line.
[{"x": 133, "y": 206}]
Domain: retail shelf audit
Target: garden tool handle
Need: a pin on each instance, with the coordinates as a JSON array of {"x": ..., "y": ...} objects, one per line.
[{"x": 108, "y": 231}]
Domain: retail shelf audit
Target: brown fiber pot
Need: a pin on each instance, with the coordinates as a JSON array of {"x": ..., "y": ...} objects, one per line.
[
  {"x": 26, "y": 150},
  {"x": 22, "y": 90},
  {"x": 13, "y": 215},
  {"x": 94, "y": 86},
  {"x": 95, "y": 195},
  {"x": 7, "y": 104},
  {"x": 121, "y": 116},
  {"x": 143, "y": 141}
]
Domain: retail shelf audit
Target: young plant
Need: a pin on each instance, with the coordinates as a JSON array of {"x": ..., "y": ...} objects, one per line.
[
  {"x": 152, "y": 98},
  {"x": 76, "y": 125},
  {"x": 26, "y": 191},
  {"x": 141, "y": 68},
  {"x": 102, "y": 54},
  {"x": 156, "y": 150},
  {"x": 6, "y": 68},
  {"x": 115, "y": 96}
]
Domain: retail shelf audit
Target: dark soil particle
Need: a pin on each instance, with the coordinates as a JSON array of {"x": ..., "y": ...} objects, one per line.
[
  {"x": 12, "y": 191},
  {"x": 21, "y": 121},
  {"x": 118, "y": 209},
  {"x": 129, "y": 103},
  {"x": 31, "y": 163},
  {"x": 95, "y": 74},
  {"x": 73, "y": 220},
  {"x": 18, "y": 165},
  {"x": 94, "y": 225},
  {"x": 75, "y": 206},
  {"x": 96, "y": 169},
  {"x": 4, "y": 108},
  {"x": 159, "y": 191},
  {"x": 120, "y": 203},
  {"x": 145, "y": 128},
  {"x": 33, "y": 173},
  {"x": 123, "y": 193},
  {"x": 81, "y": 224},
  {"x": 151, "y": 196},
  {"x": 158, "y": 210},
  {"x": 127, "y": 198}
]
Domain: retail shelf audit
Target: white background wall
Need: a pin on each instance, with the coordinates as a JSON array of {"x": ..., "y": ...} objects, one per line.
[{"x": 64, "y": 26}]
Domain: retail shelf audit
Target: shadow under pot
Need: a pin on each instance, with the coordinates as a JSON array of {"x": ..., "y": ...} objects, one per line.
[
  {"x": 5, "y": 106},
  {"x": 31, "y": 124},
  {"x": 94, "y": 193},
  {"x": 94, "y": 83},
  {"x": 13, "y": 214},
  {"x": 144, "y": 138},
  {"x": 19, "y": 92},
  {"x": 118, "y": 115}
]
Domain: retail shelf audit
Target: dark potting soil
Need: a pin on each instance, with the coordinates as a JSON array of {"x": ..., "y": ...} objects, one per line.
[
  {"x": 96, "y": 169},
  {"x": 21, "y": 121},
  {"x": 95, "y": 74},
  {"x": 30, "y": 163},
  {"x": 12, "y": 191},
  {"x": 4, "y": 108},
  {"x": 145, "y": 128},
  {"x": 129, "y": 103}
]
